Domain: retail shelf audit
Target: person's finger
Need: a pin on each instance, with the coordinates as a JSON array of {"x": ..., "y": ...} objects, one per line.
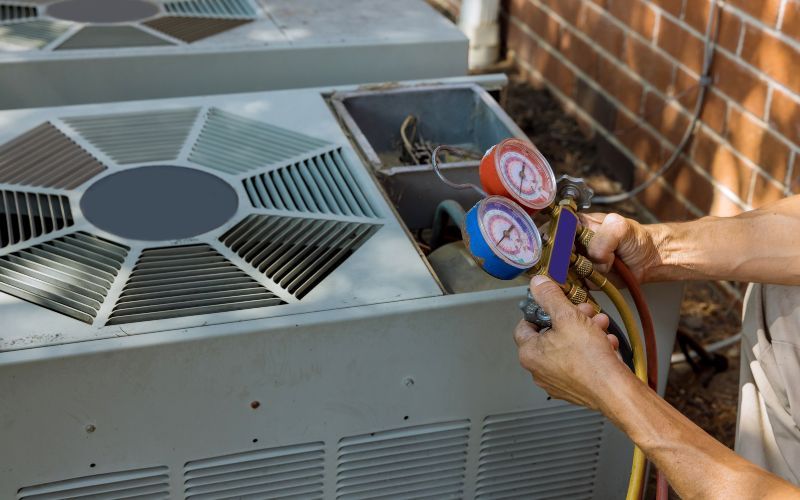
[
  {"x": 592, "y": 221},
  {"x": 552, "y": 299},
  {"x": 602, "y": 321},
  {"x": 523, "y": 333},
  {"x": 587, "y": 310},
  {"x": 607, "y": 238},
  {"x": 614, "y": 341}
]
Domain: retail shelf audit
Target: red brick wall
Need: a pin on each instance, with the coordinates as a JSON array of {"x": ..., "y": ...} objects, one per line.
[{"x": 630, "y": 68}]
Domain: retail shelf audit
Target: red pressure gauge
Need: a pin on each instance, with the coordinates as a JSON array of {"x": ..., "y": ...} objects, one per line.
[{"x": 517, "y": 170}]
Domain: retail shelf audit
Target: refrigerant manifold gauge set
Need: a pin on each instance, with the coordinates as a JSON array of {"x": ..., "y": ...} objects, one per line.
[{"x": 518, "y": 183}]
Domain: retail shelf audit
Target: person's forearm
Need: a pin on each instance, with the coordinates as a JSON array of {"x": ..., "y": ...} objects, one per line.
[
  {"x": 696, "y": 465},
  {"x": 759, "y": 246}
]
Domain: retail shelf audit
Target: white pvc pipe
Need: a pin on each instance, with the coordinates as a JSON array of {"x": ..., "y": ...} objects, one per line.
[{"x": 478, "y": 20}]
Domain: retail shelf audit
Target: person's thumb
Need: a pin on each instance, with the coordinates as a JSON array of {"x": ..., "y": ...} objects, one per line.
[{"x": 551, "y": 298}]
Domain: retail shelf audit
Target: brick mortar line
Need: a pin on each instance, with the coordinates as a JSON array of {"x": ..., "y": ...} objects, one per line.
[
  {"x": 789, "y": 172},
  {"x": 735, "y": 56},
  {"x": 629, "y": 71},
  {"x": 636, "y": 119},
  {"x": 781, "y": 12},
  {"x": 751, "y": 190},
  {"x": 742, "y": 15},
  {"x": 638, "y": 163},
  {"x": 793, "y": 148},
  {"x": 650, "y": 88},
  {"x": 769, "y": 81},
  {"x": 629, "y": 31}
]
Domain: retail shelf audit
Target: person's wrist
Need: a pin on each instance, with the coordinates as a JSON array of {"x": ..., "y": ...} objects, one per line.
[
  {"x": 613, "y": 387},
  {"x": 659, "y": 247}
]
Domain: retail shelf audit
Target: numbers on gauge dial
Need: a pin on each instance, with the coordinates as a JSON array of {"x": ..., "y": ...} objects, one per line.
[
  {"x": 509, "y": 237},
  {"x": 525, "y": 179}
]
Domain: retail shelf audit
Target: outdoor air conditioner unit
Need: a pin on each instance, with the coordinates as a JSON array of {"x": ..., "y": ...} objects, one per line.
[
  {"x": 57, "y": 52},
  {"x": 211, "y": 297}
]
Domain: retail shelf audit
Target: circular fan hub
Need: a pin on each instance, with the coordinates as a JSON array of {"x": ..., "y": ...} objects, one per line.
[
  {"x": 159, "y": 203},
  {"x": 102, "y": 11}
]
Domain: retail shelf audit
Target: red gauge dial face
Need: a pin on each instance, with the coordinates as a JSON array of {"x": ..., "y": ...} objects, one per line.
[
  {"x": 510, "y": 232},
  {"x": 528, "y": 181}
]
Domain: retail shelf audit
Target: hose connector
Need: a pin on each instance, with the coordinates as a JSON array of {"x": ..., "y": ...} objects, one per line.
[
  {"x": 577, "y": 295},
  {"x": 582, "y": 266},
  {"x": 585, "y": 236}
]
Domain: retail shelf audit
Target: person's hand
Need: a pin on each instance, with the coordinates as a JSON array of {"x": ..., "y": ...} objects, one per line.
[
  {"x": 631, "y": 241},
  {"x": 572, "y": 360}
]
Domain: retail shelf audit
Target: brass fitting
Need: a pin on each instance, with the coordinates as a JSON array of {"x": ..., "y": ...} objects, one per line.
[
  {"x": 585, "y": 236},
  {"x": 583, "y": 267},
  {"x": 577, "y": 295}
]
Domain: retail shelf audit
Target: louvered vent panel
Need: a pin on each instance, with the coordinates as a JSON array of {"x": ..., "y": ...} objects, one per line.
[
  {"x": 70, "y": 275},
  {"x": 277, "y": 473},
  {"x": 137, "y": 137},
  {"x": 150, "y": 484},
  {"x": 297, "y": 254},
  {"x": 192, "y": 29},
  {"x": 45, "y": 157},
  {"x": 235, "y": 145},
  {"x": 106, "y": 37},
  {"x": 32, "y": 34},
  {"x": 185, "y": 281},
  {"x": 322, "y": 184},
  {"x": 28, "y": 215},
  {"x": 211, "y": 8},
  {"x": 11, "y": 12},
  {"x": 543, "y": 454},
  {"x": 417, "y": 462}
]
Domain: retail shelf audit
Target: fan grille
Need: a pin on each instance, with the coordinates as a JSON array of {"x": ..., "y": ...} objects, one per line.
[
  {"x": 29, "y": 215},
  {"x": 297, "y": 254},
  {"x": 106, "y": 37},
  {"x": 151, "y": 483},
  {"x": 211, "y": 8},
  {"x": 192, "y": 29},
  {"x": 186, "y": 281},
  {"x": 276, "y": 473},
  {"x": 428, "y": 461},
  {"x": 550, "y": 453},
  {"x": 70, "y": 275},
  {"x": 232, "y": 144},
  {"x": 33, "y": 34},
  {"x": 138, "y": 137},
  {"x": 45, "y": 157},
  {"x": 322, "y": 184},
  {"x": 11, "y": 12}
]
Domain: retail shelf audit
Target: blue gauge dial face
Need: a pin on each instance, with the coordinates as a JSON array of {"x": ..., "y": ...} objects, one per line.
[{"x": 510, "y": 232}]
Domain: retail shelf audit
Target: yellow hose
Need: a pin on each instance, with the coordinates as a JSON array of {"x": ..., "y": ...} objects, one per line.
[{"x": 639, "y": 366}]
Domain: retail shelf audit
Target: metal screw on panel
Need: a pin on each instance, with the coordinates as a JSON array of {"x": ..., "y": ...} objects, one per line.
[
  {"x": 408, "y": 381},
  {"x": 91, "y": 428}
]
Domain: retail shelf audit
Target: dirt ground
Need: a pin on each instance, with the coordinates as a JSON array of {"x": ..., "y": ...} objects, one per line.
[{"x": 707, "y": 314}]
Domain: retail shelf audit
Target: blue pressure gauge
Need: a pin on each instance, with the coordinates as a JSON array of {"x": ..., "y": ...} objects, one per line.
[{"x": 502, "y": 238}]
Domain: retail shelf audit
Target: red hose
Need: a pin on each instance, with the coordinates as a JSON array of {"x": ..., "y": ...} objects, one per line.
[
  {"x": 662, "y": 486},
  {"x": 644, "y": 316}
]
